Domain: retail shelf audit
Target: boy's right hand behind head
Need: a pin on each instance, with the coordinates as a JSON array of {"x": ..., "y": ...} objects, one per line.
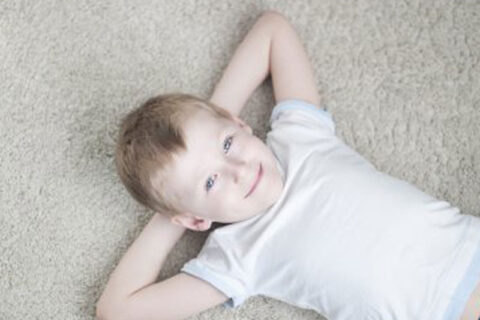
[{"x": 165, "y": 221}]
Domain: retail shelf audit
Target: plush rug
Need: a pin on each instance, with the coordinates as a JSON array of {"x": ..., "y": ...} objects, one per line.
[{"x": 401, "y": 79}]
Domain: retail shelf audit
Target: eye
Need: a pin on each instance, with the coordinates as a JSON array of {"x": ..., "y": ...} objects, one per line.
[
  {"x": 227, "y": 142},
  {"x": 209, "y": 184}
]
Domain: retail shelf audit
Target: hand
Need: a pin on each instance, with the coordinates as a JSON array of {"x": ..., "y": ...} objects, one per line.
[{"x": 164, "y": 222}]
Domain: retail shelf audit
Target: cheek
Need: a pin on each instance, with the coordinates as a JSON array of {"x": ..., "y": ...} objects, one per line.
[
  {"x": 258, "y": 142},
  {"x": 259, "y": 148},
  {"x": 224, "y": 203},
  {"x": 251, "y": 144}
]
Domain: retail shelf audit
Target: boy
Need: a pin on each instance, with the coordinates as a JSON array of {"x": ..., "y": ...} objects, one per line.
[{"x": 312, "y": 223}]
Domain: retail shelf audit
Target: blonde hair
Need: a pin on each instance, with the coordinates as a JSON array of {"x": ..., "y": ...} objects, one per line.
[{"x": 149, "y": 139}]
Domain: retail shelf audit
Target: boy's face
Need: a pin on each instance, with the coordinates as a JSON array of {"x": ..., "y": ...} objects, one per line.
[{"x": 215, "y": 176}]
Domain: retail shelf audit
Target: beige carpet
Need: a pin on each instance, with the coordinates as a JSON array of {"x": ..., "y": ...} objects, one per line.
[{"x": 401, "y": 79}]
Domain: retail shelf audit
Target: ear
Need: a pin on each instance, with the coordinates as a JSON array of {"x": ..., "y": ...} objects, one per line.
[
  {"x": 191, "y": 222},
  {"x": 242, "y": 124}
]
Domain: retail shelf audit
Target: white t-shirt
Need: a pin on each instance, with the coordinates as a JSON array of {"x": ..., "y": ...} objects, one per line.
[{"x": 343, "y": 239}]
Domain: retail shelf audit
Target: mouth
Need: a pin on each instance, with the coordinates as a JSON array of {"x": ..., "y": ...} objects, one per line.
[{"x": 257, "y": 180}]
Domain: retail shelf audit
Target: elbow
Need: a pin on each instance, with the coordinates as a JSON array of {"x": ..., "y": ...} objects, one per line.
[
  {"x": 274, "y": 15},
  {"x": 100, "y": 310},
  {"x": 109, "y": 314},
  {"x": 102, "y": 313},
  {"x": 111, "y": 311}
]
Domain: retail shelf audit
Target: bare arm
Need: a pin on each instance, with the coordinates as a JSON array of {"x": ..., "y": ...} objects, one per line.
[
  {"x": 131, "y": 292},
  {"x": 271, "y": 46},
  {"x": 292, "y": 73},
  {"x": 247, "y": 69}
]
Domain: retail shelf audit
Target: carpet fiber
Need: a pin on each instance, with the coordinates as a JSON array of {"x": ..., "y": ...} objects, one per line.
[{"x": 401, "y": 79}]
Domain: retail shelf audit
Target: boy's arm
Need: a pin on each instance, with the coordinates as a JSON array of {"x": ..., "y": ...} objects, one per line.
[
  {"x": 271, "y": 46},
  {"x": 292, "y": 73},
  {"x": 247, "y": 69},
  {"x": 131, "y": 292}
]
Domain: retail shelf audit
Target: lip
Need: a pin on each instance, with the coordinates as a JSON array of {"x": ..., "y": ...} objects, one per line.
[{"x": 257, "y": 180}]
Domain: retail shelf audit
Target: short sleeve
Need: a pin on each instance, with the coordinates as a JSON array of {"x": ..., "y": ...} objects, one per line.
[
  {"x": 301, "y": 113},
  {"x": 217, "y": 265},
  {"x": 223, "y": 283}
]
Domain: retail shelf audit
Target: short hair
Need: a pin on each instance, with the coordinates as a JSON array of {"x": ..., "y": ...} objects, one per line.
[{"x": 150, "y": 137}]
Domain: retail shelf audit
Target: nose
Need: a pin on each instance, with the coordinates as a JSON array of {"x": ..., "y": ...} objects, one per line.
[{"x": 239, "y": 170}]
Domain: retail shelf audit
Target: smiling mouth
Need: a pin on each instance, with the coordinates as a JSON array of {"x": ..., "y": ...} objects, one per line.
[{"x": 257, "y": 179}]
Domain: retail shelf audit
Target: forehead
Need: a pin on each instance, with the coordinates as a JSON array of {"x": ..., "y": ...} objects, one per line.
[
  {"x": 203, "y": 129},
  {"x": 202, "y": 122}
]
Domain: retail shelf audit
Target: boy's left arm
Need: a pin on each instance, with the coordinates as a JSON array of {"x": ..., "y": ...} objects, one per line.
[
  {"x": 271, "y": 46},
  {"x": 248, "y": 68}
]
